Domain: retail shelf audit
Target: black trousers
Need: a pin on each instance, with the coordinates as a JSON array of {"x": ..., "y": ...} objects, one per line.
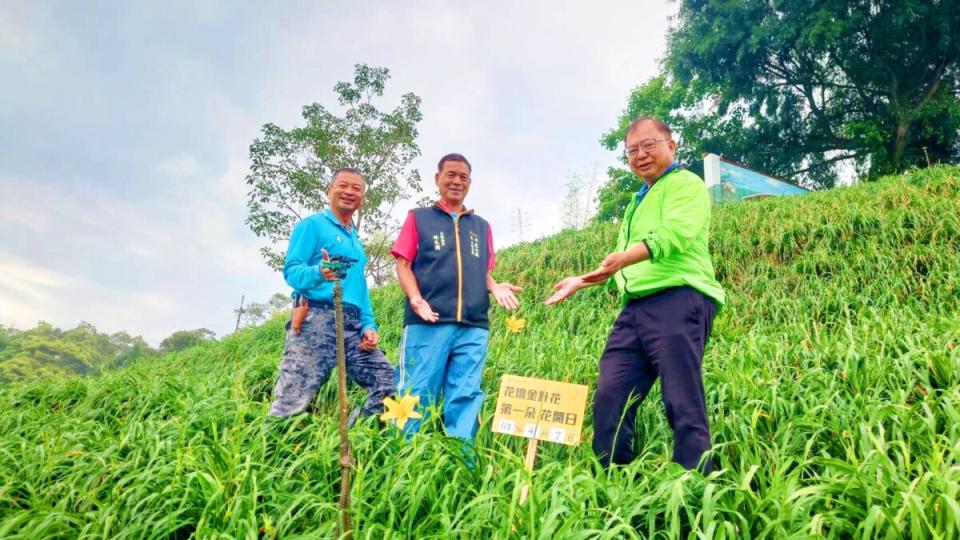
[{"x": 662, "y": 335}]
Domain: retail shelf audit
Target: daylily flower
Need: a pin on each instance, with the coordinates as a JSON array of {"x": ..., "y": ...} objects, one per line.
[
  {"x": 515, "y": 325},
  {"x": 402, "y": 410}
]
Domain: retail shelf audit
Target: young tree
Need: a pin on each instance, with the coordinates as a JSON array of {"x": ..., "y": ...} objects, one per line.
[
  {"x": 254, "y": 313},
  {"x": 570, "y": 214},
  {"x": 291, "y": 169},
  {"x": 278, "y": 302},
  {"x": 579, "y": 201}
]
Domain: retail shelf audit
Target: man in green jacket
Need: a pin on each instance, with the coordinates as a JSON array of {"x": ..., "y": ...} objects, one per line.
[{"x": 662, "y": 268}]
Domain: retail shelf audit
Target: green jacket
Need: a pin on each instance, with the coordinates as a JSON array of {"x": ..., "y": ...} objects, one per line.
[{"x": 673, "y": 219}]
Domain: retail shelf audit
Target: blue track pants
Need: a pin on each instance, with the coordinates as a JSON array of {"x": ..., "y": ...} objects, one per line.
[{"x": 443, "y": 363}]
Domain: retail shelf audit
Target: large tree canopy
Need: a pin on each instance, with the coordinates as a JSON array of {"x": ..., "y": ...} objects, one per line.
[
  {"x": 184, "y": 339},
  {"x": 291, "y": 169},
  {"x": 47, "y": 351},
  {"x": 798, "y": 87}
]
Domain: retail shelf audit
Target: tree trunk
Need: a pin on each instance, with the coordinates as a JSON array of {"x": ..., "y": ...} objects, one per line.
[{"x": 900, "y": 144}]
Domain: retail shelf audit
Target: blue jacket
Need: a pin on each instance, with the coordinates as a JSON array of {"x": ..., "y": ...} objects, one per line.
[{"x": 301, "y": 270}]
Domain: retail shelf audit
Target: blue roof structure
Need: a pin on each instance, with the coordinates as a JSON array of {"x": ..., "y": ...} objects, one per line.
[{"x": 730, "y": 181}]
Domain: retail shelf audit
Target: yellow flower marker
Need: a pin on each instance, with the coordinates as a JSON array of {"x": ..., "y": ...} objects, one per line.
[
  {"x": 515, "y": 325},
  {"x": 401, "y": 411},
  {"x": 539, "y": 410}
]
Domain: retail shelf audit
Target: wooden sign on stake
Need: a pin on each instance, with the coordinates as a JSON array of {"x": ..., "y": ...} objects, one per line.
[{"x": 539, "y": 410}]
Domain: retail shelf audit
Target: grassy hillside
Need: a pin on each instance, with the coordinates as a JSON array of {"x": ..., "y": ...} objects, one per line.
[{"x": 833, "y": 383}]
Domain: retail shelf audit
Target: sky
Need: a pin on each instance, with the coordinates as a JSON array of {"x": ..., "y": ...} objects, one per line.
[{"x": 125, "y": 129}]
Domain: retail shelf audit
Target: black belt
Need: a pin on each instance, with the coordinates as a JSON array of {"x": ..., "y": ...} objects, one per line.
[{"x": 348, "y": 309}]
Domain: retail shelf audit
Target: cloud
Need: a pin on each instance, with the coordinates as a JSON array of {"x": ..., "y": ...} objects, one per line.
[
  {"x": 20, "y": 278},
  {"x": 149, "y": 267},
  {"x": 123, "y": 192},
  {"x": 182, "y": 166},
  {"x": 29, "y": 292},
  {"x": 525, "y": 90},
  {"x": 16, "y": 39}
]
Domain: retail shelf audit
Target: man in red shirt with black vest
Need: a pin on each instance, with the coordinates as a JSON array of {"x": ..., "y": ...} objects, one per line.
[{"x": 444, "y": 262}]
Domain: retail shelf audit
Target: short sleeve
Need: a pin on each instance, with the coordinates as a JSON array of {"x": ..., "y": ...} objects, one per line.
[
  {"x": 492, "y": 262},
  {"x": 405, "y": 246}
]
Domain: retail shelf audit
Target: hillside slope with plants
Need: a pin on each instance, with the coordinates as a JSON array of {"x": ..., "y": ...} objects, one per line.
[{"x": 832, "y": 381}]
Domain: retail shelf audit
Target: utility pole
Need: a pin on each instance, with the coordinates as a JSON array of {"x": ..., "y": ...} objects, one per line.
[
  {"x": 518, "y": 219},
  {"x": 239, "y": 313}
]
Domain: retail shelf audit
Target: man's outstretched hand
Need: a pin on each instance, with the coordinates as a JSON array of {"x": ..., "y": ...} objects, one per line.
[
  {"x": 611, "y": 264},
  {"x": 503, "y": 294},
  {"x": 565, "y": 288}
]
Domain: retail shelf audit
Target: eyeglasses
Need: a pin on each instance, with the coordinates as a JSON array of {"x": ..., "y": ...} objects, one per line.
[{"x": 647, "y": 146}]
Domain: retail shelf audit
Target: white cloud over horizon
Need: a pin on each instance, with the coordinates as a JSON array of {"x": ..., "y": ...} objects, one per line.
[{"x": 124, "y": 139}]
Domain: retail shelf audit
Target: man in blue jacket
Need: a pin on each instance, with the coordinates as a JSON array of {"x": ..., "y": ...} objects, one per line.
[{"x": 310, "y": 351}]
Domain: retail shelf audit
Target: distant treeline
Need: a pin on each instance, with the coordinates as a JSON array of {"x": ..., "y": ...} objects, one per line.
[{"x": 47, "y": 351}]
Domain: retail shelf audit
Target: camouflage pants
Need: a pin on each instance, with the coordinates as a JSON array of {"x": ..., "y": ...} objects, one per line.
[{"x": 309, "y": 357}]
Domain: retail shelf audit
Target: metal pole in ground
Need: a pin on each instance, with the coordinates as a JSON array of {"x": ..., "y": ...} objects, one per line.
[{"x": 344, "y": 526}]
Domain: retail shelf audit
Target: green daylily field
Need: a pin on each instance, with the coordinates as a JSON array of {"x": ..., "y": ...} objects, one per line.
[{"x": 832, "y": 377}]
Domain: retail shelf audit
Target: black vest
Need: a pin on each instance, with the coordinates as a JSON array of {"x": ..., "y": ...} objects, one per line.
[{"x": 451, "y": 266}]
